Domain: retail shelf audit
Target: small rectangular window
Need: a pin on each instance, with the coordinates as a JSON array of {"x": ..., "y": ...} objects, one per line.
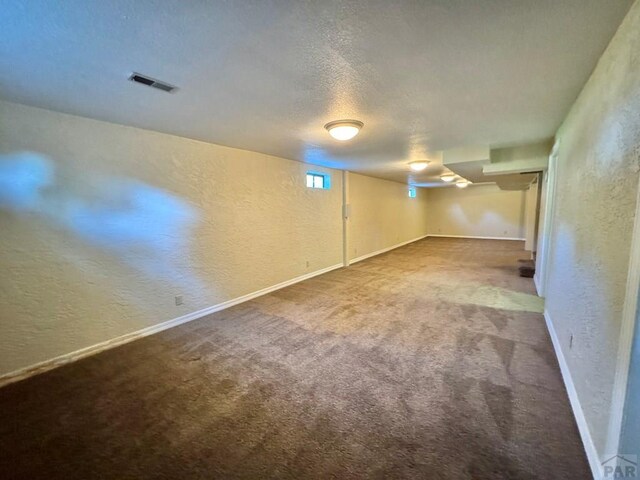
[
  {"x": 318, "y": 180},
  {"x": 309, "y": 180},
  {"x": 412, "y": 192}
]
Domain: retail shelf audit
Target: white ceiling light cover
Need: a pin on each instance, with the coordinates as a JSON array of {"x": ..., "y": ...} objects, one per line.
[{"x": 344, "y": 130}]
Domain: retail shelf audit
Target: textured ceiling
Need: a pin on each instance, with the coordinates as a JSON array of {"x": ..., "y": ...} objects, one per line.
[{"x": 267, "y": 75}]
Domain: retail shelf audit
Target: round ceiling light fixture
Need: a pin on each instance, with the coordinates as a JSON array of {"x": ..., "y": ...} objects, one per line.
[
  {"x": 448, "y": 177},
  {"x": 344, "y": 129},
  {"x": 418, "y": 166},
  {"x": 463, "y": 183}
]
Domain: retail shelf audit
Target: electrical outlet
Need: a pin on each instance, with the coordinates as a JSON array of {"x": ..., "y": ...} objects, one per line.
[{"x": 179, "y": 300}]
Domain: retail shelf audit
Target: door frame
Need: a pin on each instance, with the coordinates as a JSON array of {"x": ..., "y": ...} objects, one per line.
[
  {"x": 627, "y": 331},
  {"x": 542, "y": 271}
]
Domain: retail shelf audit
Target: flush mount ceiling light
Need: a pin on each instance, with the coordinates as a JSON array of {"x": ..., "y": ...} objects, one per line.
[
  {"x": 462, "y": 184},
  {"x": 418, "y": 166},
  {"x": 344, "y": 129},
  {"x": 448, "y": 177}
]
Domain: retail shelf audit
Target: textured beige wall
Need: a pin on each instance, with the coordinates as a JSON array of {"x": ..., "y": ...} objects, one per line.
[
  {"x": 102, "y": 225},
  {"x": 383, "y": 215},
  {"x": 597, "y": 180},
  {"x": 476, "y": 211}
]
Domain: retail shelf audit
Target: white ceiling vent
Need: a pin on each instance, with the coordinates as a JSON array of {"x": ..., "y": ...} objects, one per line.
[{"x": 152, "y": 82}]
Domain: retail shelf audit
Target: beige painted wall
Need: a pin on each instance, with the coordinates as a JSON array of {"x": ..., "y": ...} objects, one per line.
[
  {"x": 597, "y": 181},
  {"x": 383, "y": 215},
  {"x": 476, "y": 211},
  {"x": 102, "y": 225}
]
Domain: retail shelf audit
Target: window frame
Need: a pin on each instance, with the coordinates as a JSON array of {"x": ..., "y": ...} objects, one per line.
[{"x": 314, "y": 176}]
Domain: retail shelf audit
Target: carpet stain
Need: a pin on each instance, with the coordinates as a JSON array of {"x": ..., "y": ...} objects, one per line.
[
  {"x": 499, "y": 399},
  {"x": 504, "y": 348},
  {"x": 498, "y": 319}
]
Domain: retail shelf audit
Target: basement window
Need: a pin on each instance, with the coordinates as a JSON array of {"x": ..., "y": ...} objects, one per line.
[
  {"x": 318, "y": 180},
  {"x": 412, "y": 192}
]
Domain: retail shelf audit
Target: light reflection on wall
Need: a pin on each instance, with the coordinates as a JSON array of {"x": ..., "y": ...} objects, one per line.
[
  {"x": 319, "y": 156},
  {"x": 147, "y": 228},
  {"x": 23, "y": 178}
]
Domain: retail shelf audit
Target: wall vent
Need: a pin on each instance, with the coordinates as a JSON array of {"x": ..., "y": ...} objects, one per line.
[{"x": 152, "y": 82}]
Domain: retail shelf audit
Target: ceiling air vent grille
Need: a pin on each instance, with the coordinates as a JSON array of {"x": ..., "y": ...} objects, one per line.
[{"x": 152, "y": 82}]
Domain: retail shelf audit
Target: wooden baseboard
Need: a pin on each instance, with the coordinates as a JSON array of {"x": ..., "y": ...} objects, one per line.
[
  {"x": 58, "y": 361},
  {"x": 476, "y": 237},
  {"x": 578, "y": 413},
  {"x": 384, "y": 250}
]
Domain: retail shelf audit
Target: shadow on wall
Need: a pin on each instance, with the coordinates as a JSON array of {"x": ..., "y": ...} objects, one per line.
[
  {"x": 486, "y": 222},
  {"x": 145, "y": 227},
  {"x": 472, "y": 216}
]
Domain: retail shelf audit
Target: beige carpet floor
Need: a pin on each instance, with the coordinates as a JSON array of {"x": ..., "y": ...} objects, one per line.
[{"x": 431, "y": 361}]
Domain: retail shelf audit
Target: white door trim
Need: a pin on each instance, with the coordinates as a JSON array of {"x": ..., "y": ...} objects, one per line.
[
  {"x": 542, "y": 272},
  {"x": 625, "y": 344}
]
